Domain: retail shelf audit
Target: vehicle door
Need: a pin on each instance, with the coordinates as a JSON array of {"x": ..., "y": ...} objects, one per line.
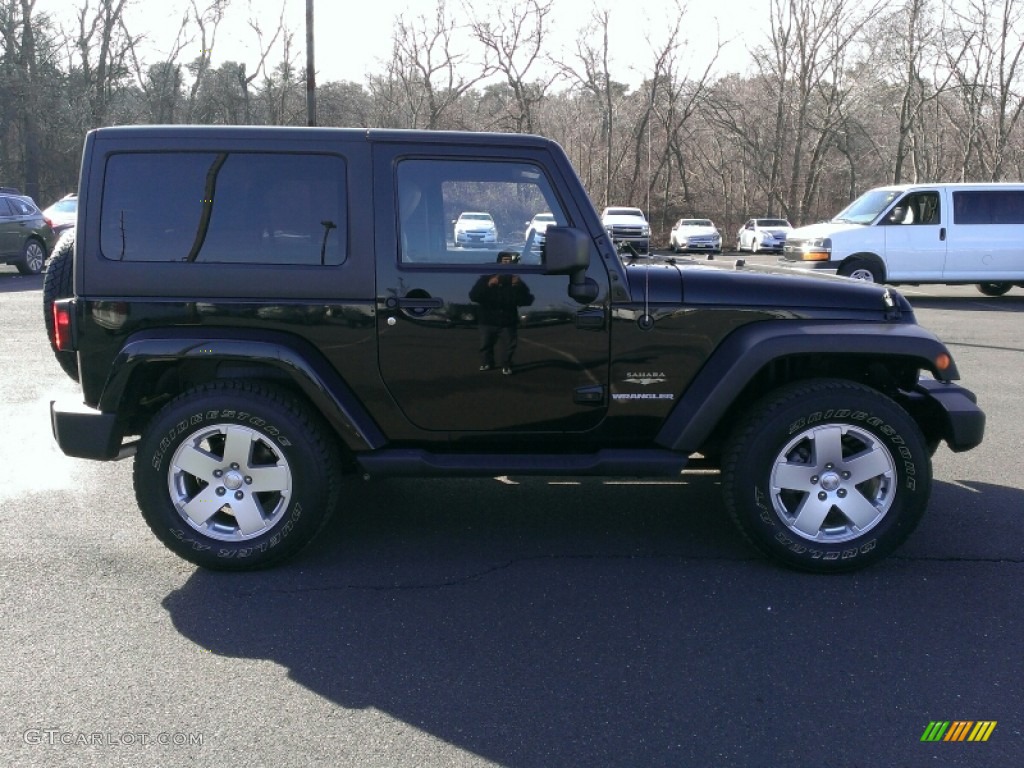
[
  {"x": 747, "y": 236},
  {"x": 915, "y": 236},
  {"x": 480, "y": 339},
  {"x": 986, "y": 235},
  {"x": 9, "y": 243}
]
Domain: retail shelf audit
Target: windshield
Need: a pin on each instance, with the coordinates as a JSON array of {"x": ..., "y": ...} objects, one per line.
[
  {"x": 696, "y": 223},
  {"x": 625, "y": 212},
  {"x": 773, "y": 223},
  {"x": 868, "y": 206}
]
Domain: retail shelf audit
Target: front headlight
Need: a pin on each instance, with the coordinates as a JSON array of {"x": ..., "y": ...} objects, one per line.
[
  {"x": 645, "y": 230},
  {"x": 819, "y": 249}
]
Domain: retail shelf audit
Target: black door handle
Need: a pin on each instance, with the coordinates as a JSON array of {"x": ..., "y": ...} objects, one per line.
[{"x": 419, "y": 303}]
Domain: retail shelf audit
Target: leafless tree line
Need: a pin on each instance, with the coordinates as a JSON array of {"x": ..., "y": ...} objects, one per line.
[{"x": 840, "y": 95}]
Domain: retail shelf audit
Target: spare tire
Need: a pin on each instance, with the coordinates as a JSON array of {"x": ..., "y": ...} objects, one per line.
[{"x": 58, "y": 284}]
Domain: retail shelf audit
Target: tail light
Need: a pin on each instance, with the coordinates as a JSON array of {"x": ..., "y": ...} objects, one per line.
[
  {"x": 62, "y": 326},
  {"x": 49, "y": 221}
]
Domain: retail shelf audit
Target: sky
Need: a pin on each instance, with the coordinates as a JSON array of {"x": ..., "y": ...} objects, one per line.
[{"x": 353, "y": 39}]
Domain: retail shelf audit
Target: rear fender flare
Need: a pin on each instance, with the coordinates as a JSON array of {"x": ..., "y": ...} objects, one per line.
[{"x": 296, "y": 359}]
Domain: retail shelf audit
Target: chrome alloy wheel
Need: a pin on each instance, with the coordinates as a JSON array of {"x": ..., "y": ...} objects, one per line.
[
  {"x": 229, "y": 482},
  {"x": 35, "y": 257},
  {"x": 833, "y": 483},
  {"x": 863, "y": 273}
]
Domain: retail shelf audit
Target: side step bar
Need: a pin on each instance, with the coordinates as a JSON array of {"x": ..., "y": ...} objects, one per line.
[{"x": 413, "y": 462}]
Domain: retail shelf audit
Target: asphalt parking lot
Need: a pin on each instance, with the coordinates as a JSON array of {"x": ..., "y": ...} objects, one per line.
[{"x": 509, "y": 622}]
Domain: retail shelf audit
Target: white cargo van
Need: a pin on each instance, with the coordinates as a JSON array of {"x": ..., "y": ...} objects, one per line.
[{"x": 922, "y": 233}]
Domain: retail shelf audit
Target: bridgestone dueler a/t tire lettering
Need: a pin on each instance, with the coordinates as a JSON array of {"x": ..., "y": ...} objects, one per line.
[
  {"x": 826, "y": 475},
  {"x": 236, "y": 476}
]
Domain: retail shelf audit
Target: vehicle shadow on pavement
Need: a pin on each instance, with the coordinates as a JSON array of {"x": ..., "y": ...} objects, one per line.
[
  {"x": 978, "y": 303},
  {"x": 609, "y": 625}
]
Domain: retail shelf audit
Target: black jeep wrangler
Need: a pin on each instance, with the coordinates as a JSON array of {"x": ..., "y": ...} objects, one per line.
[{"x": 256, "y": 312}]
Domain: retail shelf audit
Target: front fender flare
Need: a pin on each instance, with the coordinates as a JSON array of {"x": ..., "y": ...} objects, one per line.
[{"x": 738, "y": 359}]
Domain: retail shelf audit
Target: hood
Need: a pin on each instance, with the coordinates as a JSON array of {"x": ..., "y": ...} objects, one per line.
[
  {"x": 614, "y": 218},
  {"x": 822, "y": 229},
  {"x": 696, "y": 231},
  {"x": 694, "y": 284}
]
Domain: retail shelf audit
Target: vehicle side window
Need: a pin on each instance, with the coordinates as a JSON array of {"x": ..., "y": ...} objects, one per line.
[
  {"x": 468, "y": 211},
  {"x": 5, "y": 208},
  {"x": 916, "y": 208},
  {"x": 226, "y": 207},
  {"x": 988, "y": 207}
]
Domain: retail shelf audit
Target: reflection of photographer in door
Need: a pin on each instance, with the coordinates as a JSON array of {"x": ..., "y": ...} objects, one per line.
[{"x": 500, "y": 296}]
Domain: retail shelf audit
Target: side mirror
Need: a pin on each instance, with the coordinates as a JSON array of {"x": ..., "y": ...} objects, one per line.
[{"x": 567, "y": 252}]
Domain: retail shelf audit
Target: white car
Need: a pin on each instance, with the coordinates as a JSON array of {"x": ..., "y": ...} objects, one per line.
[
  {"x": 695, "y": 236},
  {"x": 763, "y": 235},
  {"x": 538, "y": 227},
  {"x": 63, "y": 214},
  {"x": 627, "y": 225},
  {"x": 475, "y": 228}
]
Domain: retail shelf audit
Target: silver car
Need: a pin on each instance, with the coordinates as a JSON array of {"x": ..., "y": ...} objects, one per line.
[{"x": 763, "y": 235}]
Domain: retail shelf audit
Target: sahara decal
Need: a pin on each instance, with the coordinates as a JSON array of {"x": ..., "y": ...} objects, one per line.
[{"x": 645, "y": 378}]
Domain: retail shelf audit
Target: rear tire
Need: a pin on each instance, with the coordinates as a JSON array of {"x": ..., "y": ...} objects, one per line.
[
  {"x": 58, "y": 284},
  {"x": 994, "y": 289},
  {"x": 33, "y": 257},
  {"x": 826, "y": 476},
  {"x": 234, "y": 476}
]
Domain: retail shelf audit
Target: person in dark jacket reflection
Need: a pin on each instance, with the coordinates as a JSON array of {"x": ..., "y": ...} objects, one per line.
[{"x": 500, "y": 296}]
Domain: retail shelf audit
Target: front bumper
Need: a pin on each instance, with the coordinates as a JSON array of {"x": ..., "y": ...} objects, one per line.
[
  {"x": 947, "y": 412},
  {"x": 828, "y": 267},
  {"x": 86, "y": 433},
  {"x": 702, "y": 247}
]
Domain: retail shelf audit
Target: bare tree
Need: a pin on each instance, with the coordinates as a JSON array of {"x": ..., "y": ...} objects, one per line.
[
  {"x": 984, "y": 49},
  {"x": 431, "y": 68},
  {"x": 18, "y": 115},
  {"x": 809, "y": 41},
  {"x": 516, "y": 40},
  {"x": 590, "y": 71},
  {"x": 104, "y": 46}
]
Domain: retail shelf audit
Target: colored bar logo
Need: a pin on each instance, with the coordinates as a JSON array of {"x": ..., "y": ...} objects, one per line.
[{"x": 958, "y": 730}]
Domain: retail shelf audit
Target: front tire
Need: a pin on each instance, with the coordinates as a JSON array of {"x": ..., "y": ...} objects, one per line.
[
  {"x": 826, "y": 476},
  {"x": 235, "y": 476},
  {"x": 858, "y": 269}
]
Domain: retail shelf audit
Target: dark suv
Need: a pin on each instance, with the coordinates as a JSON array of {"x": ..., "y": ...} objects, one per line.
[
  {"x": 254, "y": 343},
  {"x": 26, "y": 236}
]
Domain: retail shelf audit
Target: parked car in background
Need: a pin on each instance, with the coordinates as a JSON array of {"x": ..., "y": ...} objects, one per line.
[
  {"x": 475, "y": 228},
  {"x": 695, "y": 236},
  {"x": 627, "y": 226},
  {"x": 763, "y": 235},
  {"x": 26, "y": 236},
  {"x": 63, "y": 214},
  {"x": 538, "y": 227}
]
